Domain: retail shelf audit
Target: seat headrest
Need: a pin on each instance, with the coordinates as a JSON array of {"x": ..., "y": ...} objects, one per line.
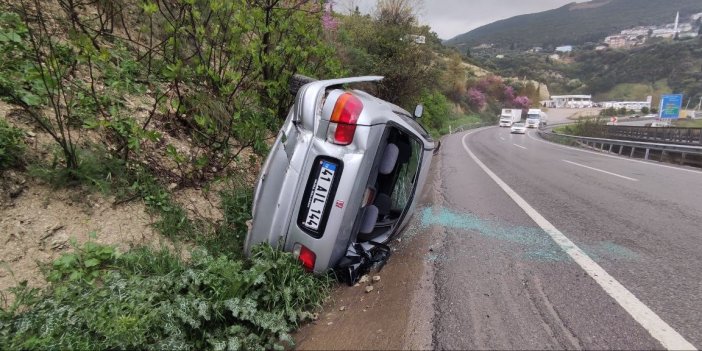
[
  {"x": 387, "y": 163},
  {"x": 370, "y": 217}
]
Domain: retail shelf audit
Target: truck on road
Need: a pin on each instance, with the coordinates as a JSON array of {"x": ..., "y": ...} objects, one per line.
[
  {"x": 509, "y": 116},
  {"x": 536, "y": 118}
]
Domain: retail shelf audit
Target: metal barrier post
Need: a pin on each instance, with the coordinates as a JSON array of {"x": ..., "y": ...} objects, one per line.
[{"x": 647, "y": 150}]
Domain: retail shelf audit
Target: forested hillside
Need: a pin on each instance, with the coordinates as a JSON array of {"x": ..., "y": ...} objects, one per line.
[
  {"x": 664, "y": 67},
  {"x": 575, "y": 23}
]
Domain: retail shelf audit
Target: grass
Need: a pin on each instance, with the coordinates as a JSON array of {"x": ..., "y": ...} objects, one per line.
[
  {"x": 459, "y": 121},
  {"x": 12, "y": 145},
  {"x": 636, "y": 91},
  {"x": 688, "y": 123}
]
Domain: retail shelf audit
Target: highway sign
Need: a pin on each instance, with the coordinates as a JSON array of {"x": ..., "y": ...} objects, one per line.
[{"x": 670, "y": 106}]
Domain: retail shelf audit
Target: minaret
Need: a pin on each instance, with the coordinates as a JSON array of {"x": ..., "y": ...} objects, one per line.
[{"x": 677, "y": 20}]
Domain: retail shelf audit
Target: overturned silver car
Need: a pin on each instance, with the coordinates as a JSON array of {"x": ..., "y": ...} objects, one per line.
[{"x": 341, "y": 178}]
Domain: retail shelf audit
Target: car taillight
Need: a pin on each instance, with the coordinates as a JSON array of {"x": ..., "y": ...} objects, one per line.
[
  {"x": 343, "y": 119},
  {"x": 306, "y": 256}
]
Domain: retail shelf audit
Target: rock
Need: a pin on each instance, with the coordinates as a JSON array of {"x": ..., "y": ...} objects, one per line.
[
  {"x": 31, "y": 134},
  {"x": 431, "y": 249},
  {"x": 172, "y": 186},
  {"x": 15, "y": 190},
  {"x": 330, "y": 323},
  {"x": 364, "y": 279},
  {"x": 357, "y": 285},
  {"x": 342, "y": 308},
  {"x": 376, "y": 278},
  {"x": 369, "y": 288}
]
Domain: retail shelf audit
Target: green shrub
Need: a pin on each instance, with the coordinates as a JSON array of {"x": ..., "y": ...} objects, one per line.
[
  {"x": 153, "y": 300},
  {"x": 229, "y": 235},
  {"x": 11, "y": 145},
  {"x": 96, "y": 169}
]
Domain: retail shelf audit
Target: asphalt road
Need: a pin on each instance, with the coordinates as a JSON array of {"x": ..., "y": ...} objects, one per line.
[{"x": 626, "y": 272}]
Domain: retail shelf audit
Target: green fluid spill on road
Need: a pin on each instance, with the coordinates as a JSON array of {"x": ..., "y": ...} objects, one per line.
[
  {"x": 608, "y": 249},
  {"x": 537, "y": 244}
]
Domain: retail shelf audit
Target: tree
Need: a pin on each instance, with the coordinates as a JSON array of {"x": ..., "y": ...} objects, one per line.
[
  {"x": 398, "y": 12},
  {"x": 521, "y": 102},
  {"x": 382, "y": 45},
  {"x": 644, "y": 110}
]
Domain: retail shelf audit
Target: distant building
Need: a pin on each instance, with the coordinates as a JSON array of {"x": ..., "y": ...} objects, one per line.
[
  {"x": 687, "y": 35},
  {"x": 629, "y": 105},
  {"x": 624, "y": 40},
  {"x": 564, "y": 48},
  {"x": 569, "y": 101},
  {"x": 601, "y": 47},
  {"x": 499, "y": 56},
  {"x": 663, "y": 33},
  {"x": 418, "y": 39},
  {"x": 555, "y": 57},
  {"x": 536, "y": 49},
  {"x": 636, "y": 31}
]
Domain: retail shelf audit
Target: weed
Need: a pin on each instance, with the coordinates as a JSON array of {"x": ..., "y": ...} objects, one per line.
[
  {"x": 96, "y": 169},
  {"x": 11, "y": 145},
  {"x": 153, "y": 300},
  {"x": 87, "y": 263},
  {"x": 229, "y": 235}
]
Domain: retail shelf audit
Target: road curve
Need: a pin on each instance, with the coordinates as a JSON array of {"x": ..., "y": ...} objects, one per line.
[{"x": 502, "y": 282}]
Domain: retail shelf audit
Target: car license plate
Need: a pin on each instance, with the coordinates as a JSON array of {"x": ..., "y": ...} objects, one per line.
[{"x": 319, "y": 195}]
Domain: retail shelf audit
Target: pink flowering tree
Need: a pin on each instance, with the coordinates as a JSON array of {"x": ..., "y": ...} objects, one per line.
[
  {"x": 476, "y": 98},
  {"x": 508, "y": 95},
  {"x": 329, "y": 22},
  {"x": 521, "y": 102}
]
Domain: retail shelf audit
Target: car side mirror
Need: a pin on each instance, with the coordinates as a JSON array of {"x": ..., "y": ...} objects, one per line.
[{"x": 418, "y": 111}]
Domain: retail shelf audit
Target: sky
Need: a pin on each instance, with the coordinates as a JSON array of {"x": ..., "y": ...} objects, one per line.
[{"x": 449, "y": 18}]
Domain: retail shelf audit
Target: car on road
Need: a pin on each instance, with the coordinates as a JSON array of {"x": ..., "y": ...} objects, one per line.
[
  {"x": 519, "y": 128},
  {"x": 660, "y": 124},
  {"x": 341, "y": 179}
]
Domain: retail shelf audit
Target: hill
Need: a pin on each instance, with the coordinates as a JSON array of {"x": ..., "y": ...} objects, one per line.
[
  {"x": 661, "y": 67},
  {"x": 576, "y": 23}
]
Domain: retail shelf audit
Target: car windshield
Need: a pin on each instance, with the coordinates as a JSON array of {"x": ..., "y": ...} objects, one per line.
[
  {"x": 518, "y": 125},
  {"x": 533, "y": 117}
]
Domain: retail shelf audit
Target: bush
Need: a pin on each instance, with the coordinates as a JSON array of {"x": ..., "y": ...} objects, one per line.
[
  {"x": 11, "y": 146},
  {"x": 153, "y": 300}
]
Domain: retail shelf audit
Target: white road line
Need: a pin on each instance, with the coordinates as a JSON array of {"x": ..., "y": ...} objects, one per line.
[
  {"x": 501, "y": 138},
  {"x": 519, "y": 146},
  {"x": 600, "y": 170},
  {"x": 649, "y": 320},
  {"x": 623, "y": 158}
]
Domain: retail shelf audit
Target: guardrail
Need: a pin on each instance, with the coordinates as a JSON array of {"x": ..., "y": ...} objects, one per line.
[
  {"x": 664, "y": 152},
  {"x": 670, "y": 135},
  {"x": 470, "y": 126}
]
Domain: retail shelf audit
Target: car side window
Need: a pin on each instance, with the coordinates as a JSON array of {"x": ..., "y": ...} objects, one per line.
[{"x": 406, "y": 176}]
